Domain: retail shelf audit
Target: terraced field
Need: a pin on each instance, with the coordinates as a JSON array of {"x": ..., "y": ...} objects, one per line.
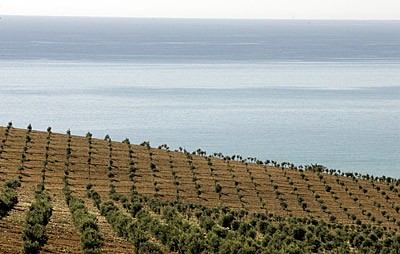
[{"x": 193, "y": 182}]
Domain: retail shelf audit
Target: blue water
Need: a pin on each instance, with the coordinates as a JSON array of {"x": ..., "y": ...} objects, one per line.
[{"x": 324, "y": 92}]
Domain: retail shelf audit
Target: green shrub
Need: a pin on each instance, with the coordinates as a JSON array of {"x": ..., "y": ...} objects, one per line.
[
  {"x": 150, "y": 248},
  {"x": 13, "y": 184},
  {"x": 91, "y": 241},
  {"x": 9, "y": 197},
  {"x": 123, "y": 225},
  {"x": 38, "y": 216},
  {"x": 31, "y": 246},
  {"x": 86, "y": 223}
]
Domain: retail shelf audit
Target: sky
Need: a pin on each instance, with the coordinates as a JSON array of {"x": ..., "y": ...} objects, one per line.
[{"x": 240, "y": 9}]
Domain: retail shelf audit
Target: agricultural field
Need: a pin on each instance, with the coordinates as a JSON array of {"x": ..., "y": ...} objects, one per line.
[{"x": 62, "y": 193}]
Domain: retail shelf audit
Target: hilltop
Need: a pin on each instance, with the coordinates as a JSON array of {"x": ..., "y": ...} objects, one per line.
[{"x": 212, "y": 203}]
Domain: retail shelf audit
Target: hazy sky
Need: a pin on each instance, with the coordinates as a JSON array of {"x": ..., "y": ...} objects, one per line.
[{"x": 269, "y": 9}]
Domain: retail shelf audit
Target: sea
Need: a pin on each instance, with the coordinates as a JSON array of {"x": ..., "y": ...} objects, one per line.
[{"x": 299, "y": 91}]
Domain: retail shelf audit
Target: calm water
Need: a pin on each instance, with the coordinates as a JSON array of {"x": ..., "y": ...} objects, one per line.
[{"x": 300, "y": 91}]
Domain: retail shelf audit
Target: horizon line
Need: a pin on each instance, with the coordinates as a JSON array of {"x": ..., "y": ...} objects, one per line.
[{"x": 191, "y": 18}]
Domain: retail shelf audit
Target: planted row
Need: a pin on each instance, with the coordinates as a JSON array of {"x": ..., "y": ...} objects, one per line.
[
  {"x": 230, "y": 231},
  {"x": 8, "y": 197},
  {"x": 124, "y": 225},
  {"x": 86, "y": 223},
  {"x": 4, "y": 140},
  {"x": 37, "y": 218},
  {"x": 90, "y": 238}
]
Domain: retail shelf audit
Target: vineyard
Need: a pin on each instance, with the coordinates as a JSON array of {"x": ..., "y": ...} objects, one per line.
[{"x": 62, "y": 193}]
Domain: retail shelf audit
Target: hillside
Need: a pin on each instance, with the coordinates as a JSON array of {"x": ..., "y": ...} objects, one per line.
[{"x": 205, "y": 189}]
